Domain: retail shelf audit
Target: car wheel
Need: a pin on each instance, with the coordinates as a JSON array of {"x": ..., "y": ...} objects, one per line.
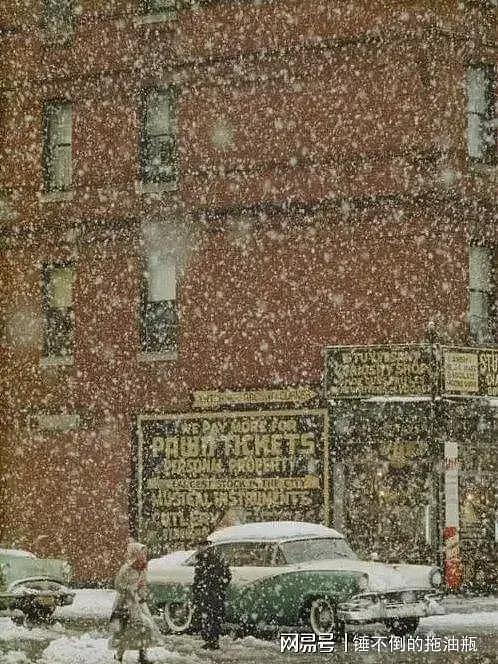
[
  {"x": 36, "y": 613},
  {"x": 178, "y": 616},
  {"x": 403, "y": 626},
  {"x": 320, "y": 615}
]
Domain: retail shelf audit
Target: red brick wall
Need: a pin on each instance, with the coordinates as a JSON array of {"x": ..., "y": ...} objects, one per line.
[{"x": 348, "y": 130}]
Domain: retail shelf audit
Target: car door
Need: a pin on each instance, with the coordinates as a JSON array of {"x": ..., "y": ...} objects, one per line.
[{"x": 250, "y": 563}]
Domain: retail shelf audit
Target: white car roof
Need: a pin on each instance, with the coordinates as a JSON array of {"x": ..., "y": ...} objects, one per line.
[
  {"x": 273, "y": 531},
  {"x": 16, "y": 553}
]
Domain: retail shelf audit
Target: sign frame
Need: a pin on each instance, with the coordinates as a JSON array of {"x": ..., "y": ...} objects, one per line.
[
  {"x": 138, "y": 471},
  {"x": 476, "y": 351},
  {"x": 388, "y": 348},
  {"x": 213, "y": 399}
]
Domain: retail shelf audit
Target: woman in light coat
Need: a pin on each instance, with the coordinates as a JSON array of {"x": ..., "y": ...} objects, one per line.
[{"x": 131, "y": 622}]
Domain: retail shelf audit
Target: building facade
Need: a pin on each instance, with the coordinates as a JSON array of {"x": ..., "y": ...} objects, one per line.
[{"x": 200, "y": 199}]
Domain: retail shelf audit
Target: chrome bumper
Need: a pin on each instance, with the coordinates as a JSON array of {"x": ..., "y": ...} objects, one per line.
[{"x": 371, "y": 608}]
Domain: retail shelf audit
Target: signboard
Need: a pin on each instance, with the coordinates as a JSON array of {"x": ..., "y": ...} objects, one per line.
[
  {"x": 367, "y": 371},
  {"x": 194, "y": 468},
  {"x": 216, "y": 399},
  {"x": 470, "y": 371}
]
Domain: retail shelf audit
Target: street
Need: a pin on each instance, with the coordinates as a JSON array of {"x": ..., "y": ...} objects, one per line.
[{"x": 79, "y": 635}]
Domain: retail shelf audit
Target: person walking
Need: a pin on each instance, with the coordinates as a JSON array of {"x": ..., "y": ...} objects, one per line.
[
  {"x": 131, "y": 622},
  {"x": 211, "y": 578}
]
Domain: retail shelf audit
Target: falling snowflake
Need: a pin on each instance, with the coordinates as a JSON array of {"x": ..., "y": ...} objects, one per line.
[{"x": 222, "y": 135}]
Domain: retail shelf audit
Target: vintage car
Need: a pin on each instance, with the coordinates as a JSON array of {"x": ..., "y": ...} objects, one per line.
[
  {"x": 297, "y": 575},
  {"x": 35, "y": 586}
]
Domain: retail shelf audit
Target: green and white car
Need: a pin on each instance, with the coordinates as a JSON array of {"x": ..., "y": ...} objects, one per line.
[
  {"x": 35, "y": 586},
  {"x": 297, "y": 575}
]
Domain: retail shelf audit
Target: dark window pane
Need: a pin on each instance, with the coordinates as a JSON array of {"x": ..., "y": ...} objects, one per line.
[
  {"x": 59, "y": 328},
  {"x": 159, "y": 159},
  {"x": 159, "y": 326}
]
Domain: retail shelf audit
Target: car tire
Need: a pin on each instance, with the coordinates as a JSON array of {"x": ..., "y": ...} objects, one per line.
[
  {"x": 403, "y": 626},
  {"x": 38, "y": 614},
  {"x": 178, "y": 617},
  {"x": 320, "y": 616}
]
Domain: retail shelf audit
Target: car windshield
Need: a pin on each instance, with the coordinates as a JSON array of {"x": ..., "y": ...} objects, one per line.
[{"x": 306, "y": 550}]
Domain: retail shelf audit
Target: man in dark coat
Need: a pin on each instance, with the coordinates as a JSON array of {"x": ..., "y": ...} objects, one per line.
[{"x": 211, "y": 578}]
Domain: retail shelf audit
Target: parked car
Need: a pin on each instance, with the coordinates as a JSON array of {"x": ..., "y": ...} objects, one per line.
[
  {"x": 296, "y": 574},
  {"x": 35, "y": 586}
]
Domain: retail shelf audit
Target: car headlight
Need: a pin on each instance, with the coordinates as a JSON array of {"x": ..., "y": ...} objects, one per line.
[
  {"x": 363, "y": 582},
  {"x": 435, "y": 577}
]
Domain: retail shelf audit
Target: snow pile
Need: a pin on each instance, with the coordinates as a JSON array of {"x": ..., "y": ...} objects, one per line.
[
  {"x": 253, "y": 642},
  {"x": 480, "y": 621},
  {"x": 11, "y": 632},
  {"x": 462, "y": 604},
  {"x": 14, "y": 657},
  {"x": 90, "y": 603},
  {"x": 77, "y": 650},
  {"x": 90, "y": 650}
]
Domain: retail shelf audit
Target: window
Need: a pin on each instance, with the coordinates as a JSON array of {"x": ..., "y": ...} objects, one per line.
[
  {"x": 59, "y": 19},
  {"x": 58, "y": 282},
  {"x": 159, "y": 7},
  {"x": 159, "y": 158},
  {"x": 159, "y": 307},
  {"x": 58, "y": 148},
  {"x": 481, "y": 140},
  {"x": 481, "y": 294},
  {"x": 301, "y": 551},
  {"x": 247, "y": 554}
]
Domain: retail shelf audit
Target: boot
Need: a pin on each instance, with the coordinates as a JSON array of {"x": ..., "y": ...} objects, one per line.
[
  {"x": 211, "y": 645},
  {"x": 142, "y": 659}
]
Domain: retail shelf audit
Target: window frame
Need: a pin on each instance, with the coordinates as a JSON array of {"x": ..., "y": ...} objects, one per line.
[
  {"x": 169, "y": 9},
  {"x": 269, "y": 546},
  {"x": 273, "y": 548},
  {"x": 147, "y": 175},
  {"x": 486, "y": 322},
  {"x": 162, "y": 308},
  {"x": 54, "y": 145},
  {"x": 58, "y": 21},
  {"x": 481, "y": 123},
  {"x": 316, "y": 539}
]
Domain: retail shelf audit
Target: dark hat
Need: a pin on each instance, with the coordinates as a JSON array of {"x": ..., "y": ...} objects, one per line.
[{"x": 202, "y": 542}]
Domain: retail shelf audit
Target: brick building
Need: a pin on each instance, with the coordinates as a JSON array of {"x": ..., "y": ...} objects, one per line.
[{"x": 203, "y": 197}]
